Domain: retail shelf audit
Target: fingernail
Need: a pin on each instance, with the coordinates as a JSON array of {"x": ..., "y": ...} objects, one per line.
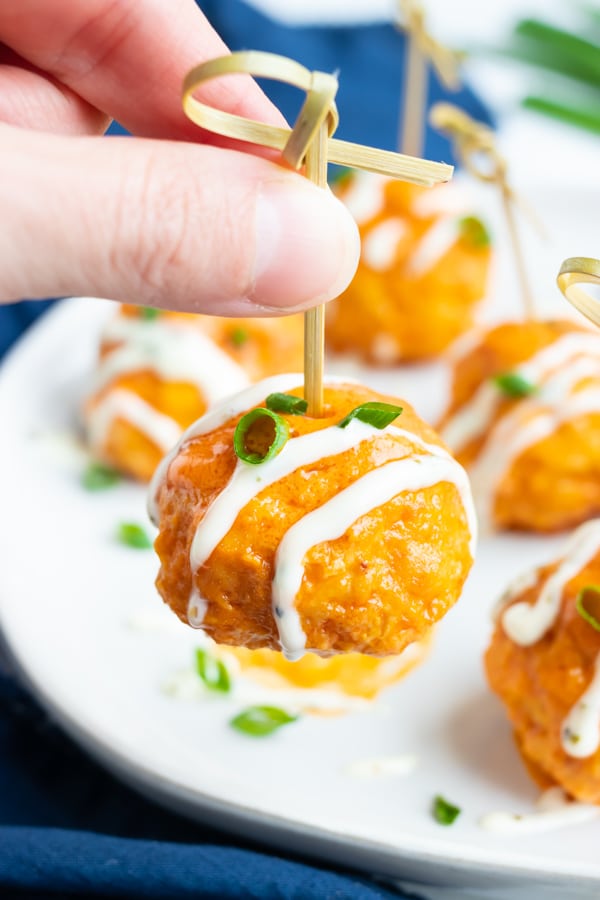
[{"x": 307, "y": 245}]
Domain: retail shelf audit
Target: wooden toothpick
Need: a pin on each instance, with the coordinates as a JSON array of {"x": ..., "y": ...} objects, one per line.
[
  {"x": 308, "y": 144},
  {"x": 475, "y": 145},
  {"x": 314, "y": 319},
  {"x": 421, "y": 50}
]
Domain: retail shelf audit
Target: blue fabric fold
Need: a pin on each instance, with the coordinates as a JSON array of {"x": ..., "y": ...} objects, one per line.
[
  {"x": 67, "y": 828},
  {"x": 98, "y": 865}
]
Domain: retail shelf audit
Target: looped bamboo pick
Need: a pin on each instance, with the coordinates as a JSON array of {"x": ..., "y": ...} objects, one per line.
[
  {"x": 574, "y": 272},
  {"x": 309, "y": 143},
  {"x": 475, "y": 146},
  {"x": 421, "y": 49}
]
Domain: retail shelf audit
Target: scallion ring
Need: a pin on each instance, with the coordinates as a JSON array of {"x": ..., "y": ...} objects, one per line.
[
  {"x": 212, "y": 671},
  {"x": 444, "y": 812},
  {"x": 513, "y": 385},
  {"x": 587, "y": 605},
  {"x": 239, "y": 336},
  {"x": 286, "y": 403},
  {"x": 261, "y": 721},
  {"x": 474, "y": 231},
  {"x": 259, "y": 436},
  {"x": 379, "y": 415},
  {"x": 149, "y": 313}
]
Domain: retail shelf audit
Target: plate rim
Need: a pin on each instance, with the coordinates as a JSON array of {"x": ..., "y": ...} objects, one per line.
[{"x": 237, "y": 818}]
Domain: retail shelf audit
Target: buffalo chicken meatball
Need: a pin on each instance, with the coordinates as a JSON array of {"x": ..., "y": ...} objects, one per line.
[{"x": 353, "y": 531}]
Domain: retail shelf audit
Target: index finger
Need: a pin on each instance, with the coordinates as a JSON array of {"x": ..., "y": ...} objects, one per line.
[{"x": 128, "y": 58}]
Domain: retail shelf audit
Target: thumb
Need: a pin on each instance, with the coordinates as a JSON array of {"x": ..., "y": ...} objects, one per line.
[{"x": 176, "y": 225}]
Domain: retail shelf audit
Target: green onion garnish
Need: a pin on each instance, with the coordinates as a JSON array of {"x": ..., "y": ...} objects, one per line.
[
  {"x": 133, "y": 535},
  {"x": 443, "y": 812},
  {"x": 212, "y": 671},
  {"x": 286, "y": 403},
  {"x": 259, "y": 435},
  {"x": 587, "y": 605},
  {"x": 379, "y": 415},
  {"x": 238, "y": 336},
  {"x": 260, "y": 721},
  {"x": 582, "y": 116},
  {"x": 474, "y": 231},
  {"x": 149, "y": 313},
  {"x": 514, "y": 385},
  {"x": 98, "y": 477}
]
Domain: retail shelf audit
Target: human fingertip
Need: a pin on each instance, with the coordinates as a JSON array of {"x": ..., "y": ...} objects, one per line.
[{"x": 307, "y": 245}]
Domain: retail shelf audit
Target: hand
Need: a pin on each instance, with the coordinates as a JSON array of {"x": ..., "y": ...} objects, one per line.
[{"x": 154, "y": 219}]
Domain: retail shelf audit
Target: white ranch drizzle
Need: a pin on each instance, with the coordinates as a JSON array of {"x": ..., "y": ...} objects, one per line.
[
  {"x": 364, "y": 196},
  {"x": 464, "y": 345},
  {"x": 381, "y": 766},
  {"x": 435, "y": 243},
  {"x": 175, "y": 352},
  {"x": 385, "y": 349},
  {"x": 444, "y": 198},
  {"x": 475, "y": 417},
  {"x": 526, "y": 623},
  {"x": 553, "y": 810},
  {"x": 197, "y": 607},
  {"x": 248, "y": 480},
  {"x": 222, "y": 412},
  {"x": 121, "y": 404},
  {"x": 507, "y": 442},
  {"x": 519, "y": 585},
  {"x": 380, "y": 245},
  {"x": 580, "y": 734},
  {"x": 472, "y": 419},
  {"x": 330, "y": 521},
  {"x": 245, "y": 484}
]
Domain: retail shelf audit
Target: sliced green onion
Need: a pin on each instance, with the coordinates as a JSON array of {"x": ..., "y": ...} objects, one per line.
[
  {"x": 561, "y": 51},
  {"x": 443, "y": 812},
  {"x": 260, "y": 435},
  {"x": 587, "y": 605},
  {"x": 149, "y": 313},
  {"x": 474, "y": 231},
  {"x": 133, "y": 535},
  {"x": 260, "y": 721},
  {"x": 239, "y": 336},
  {"x": 379, "y": 415},
  {"x": 286, "y": 403},
  {"x": 98, "y": 477},
  {"x": 212, "y": 671},
  {"x": 587, "y": 117},
  {"x": 514, "y": 385}
]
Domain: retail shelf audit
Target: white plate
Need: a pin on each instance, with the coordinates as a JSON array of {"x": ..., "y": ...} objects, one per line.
[{"x": 68, "y": 595}]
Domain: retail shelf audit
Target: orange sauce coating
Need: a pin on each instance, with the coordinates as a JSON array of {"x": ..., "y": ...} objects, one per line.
[
  {"x": 393, "y": 315},
  {"x": 261, "y": 347},
  {"x": 555, "y": 483},
  {"x": 376, "y": 589},
  {"x": 540, "y": 684},
  {"x": 355, "y": 674}
]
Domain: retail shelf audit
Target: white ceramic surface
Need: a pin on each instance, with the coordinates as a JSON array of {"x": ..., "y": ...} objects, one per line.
[{"x": 69, "y": 595}]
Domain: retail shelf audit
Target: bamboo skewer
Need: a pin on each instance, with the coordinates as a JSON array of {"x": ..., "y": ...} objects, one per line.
[
  {"x": 412, "y": 135},
  {"x": 517, "y": 249},
  {"x": 422, "y": 50},
  {"x": 574, "y": 272},
  {"x": 308, "y": 144},
  {"x": 475, "y": 146},
  {"x": 314, "y": 319}
]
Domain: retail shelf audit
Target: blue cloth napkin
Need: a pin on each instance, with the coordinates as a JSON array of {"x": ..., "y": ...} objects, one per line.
[{"x": 67, "y": 828}]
